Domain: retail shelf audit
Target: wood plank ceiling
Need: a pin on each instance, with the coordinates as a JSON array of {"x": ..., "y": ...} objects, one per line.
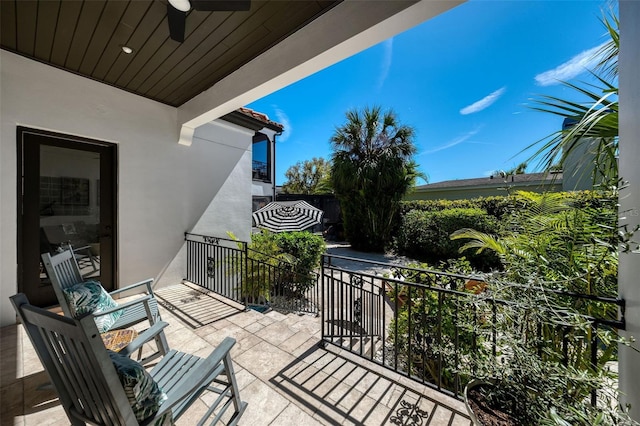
[{"x": 86, "y": 37}]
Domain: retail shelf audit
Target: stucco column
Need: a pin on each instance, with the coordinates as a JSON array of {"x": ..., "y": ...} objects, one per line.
[{"x": 629, "y": 166}]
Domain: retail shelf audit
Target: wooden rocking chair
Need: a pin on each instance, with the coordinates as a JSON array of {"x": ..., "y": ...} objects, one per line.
[
  {"x": 64, "y": 273},
  {"x": 89, "y": 385}
]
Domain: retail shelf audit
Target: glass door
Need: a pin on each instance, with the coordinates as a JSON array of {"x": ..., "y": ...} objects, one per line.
[{"x": 67, "y": 204}]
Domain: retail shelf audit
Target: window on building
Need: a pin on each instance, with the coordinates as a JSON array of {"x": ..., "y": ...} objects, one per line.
[{"x": 261, "y": 158}]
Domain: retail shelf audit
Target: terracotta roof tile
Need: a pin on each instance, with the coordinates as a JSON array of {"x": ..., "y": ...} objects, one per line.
[{"x": 259, "y": 116}]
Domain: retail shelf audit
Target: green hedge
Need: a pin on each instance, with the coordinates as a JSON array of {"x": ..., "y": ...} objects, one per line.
[
  {"x": 302, "y": 248},
  {"x": 306, "y": 247},
  {"x": 424, "y": 235},
  {"x": 498, "y": 205}
]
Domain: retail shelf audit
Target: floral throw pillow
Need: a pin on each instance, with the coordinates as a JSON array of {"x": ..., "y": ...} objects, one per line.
[
  {"x": 91, "y": 298},
  {"x": 143, "y": 393}
]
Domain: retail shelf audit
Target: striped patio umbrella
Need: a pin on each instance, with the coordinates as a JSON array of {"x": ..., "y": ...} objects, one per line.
[{"x": 282, "y": 216}]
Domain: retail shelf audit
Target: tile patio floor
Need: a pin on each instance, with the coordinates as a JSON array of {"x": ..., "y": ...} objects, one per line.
[{"x": 283, "y": 374}]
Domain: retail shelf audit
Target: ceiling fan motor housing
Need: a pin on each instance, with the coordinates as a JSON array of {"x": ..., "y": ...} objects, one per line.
[{"x": 177, "y": 18}]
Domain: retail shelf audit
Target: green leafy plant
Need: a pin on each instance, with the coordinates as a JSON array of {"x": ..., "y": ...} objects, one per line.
[
  {"x": 548, "y": 235},
  {"x": 260, "y": 266},
  {"x": 281, "y": 263},
  {"x": 306, "y": 250},
  {"x": 532, "y": 357},
  {"x": 424, "y": 336}
]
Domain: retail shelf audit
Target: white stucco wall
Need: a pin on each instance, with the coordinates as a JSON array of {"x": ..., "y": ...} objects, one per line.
[
  {"x": 164, "y": 189},
  {"x": 629, "y": 268}
]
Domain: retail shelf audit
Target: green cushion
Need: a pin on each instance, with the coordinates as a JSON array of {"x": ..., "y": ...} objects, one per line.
[
  {"x": 90, "y": 298},
  {"x": 143, "y": 393}
]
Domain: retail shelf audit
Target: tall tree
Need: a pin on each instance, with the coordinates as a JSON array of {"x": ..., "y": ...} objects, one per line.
[
  {"x": 308, "y": 177},
  {"x": 372, "y": 169}
]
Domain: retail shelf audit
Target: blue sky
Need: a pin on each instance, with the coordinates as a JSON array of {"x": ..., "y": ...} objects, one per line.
[{"x": 463, "y": 80}]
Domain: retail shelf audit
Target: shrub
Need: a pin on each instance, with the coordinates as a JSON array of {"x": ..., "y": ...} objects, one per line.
[
  {"x": 496, "y": 206},
  {"x": 307, "y": 249},
  {"x": 258, "y": 276},
  {"x": 570, "y": 240},
  {"x": 537, "y": 355},
  {"x": 425, "y": 235},
  {"x": 303, "y": 251}
]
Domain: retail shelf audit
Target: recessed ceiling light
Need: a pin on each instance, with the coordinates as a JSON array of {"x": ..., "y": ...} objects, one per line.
[{"x": 127, "y": 49}]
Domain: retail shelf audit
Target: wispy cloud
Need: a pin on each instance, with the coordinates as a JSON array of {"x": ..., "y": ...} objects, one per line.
[
  {"x": 282, "y": 118},
  {"x": 570, "y": 69},
  {"x": 385, "y": 65},
  {"x": 454, "y": 142},
  {"x": 483, "y": 103}
]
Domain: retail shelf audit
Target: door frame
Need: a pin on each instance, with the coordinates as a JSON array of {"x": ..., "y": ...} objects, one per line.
[{"x": 110, "y": 204}]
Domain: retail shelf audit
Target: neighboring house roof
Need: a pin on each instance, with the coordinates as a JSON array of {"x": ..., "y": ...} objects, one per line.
[
  {"x": 495, "y": 181},
  {"x": 486, "y": 186},
  {"x": 254, "y": 120}
]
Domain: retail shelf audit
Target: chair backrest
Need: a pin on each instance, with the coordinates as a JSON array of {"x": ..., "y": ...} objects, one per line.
[
  {"x": 63, "y": 271},
  {"x": 74, "y": 356}
]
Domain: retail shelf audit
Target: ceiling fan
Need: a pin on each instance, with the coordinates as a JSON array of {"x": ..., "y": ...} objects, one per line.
[{"x": 177, "y": 12}]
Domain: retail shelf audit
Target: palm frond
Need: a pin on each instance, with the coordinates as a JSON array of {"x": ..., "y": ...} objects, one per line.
[
  {"x": 479, "y": 241},
  {"x": 595, "y": 118}
]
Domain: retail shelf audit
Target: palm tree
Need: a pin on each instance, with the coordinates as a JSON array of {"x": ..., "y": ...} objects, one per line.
[
  {"x": 372, "y": 169},
  {"x": 596, "y": 119}
]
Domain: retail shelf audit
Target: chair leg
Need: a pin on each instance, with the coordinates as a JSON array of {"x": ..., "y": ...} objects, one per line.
[
  {"x": 235, "y": 392},
  {"x": 161, "y": 342},
  {"x": 229, "y": 389}
]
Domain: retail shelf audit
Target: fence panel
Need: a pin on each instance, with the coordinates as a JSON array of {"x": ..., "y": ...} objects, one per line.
[
  {"x": 216, "y": 264},
  {"x": 426, "y": 324}
]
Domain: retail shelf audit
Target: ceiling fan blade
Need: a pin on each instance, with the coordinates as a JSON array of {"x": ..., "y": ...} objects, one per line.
[
  {"x": 221, "y": 5},
  {"x": 176, "y": 19}
]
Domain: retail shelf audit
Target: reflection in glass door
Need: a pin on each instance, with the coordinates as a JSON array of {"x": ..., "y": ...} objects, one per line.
[
  {"x": 70, "y": 206},
  {"x": 66, "y": 202}
]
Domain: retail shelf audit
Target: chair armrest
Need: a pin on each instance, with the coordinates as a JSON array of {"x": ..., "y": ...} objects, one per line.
[
  {"x": 144, "y": 337},
  {"x": 143, "y": 299},
  {"x": 198, "y": 377},
  {"x": 146, "y": 282}
]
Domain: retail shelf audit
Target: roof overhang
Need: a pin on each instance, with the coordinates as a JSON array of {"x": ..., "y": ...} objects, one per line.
[{"x": 227, "y": 60}]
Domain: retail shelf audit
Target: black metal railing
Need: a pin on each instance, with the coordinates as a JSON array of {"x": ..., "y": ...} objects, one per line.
[
  {"x": 216, "y": 264},
  {"x": 233, "y": 270},
  {"x": 275, "y": 282},
  {"x": 424, "y": 324}
]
